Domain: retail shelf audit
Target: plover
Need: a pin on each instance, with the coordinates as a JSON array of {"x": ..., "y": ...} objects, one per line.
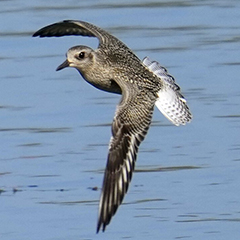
[{"x": 114, "y": 68}]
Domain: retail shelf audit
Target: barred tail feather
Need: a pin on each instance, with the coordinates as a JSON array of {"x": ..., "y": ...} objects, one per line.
[{"x": 170, "y": 101}]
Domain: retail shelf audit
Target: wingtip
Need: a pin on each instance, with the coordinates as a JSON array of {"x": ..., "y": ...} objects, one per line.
[
  {"x": 38, "y": 33},
  {"x": 99, "y": 226},
  {"x": 35, "y": 34}
]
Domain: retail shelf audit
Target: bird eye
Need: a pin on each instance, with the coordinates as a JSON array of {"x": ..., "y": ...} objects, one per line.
[{"x": 81, "y": 55}]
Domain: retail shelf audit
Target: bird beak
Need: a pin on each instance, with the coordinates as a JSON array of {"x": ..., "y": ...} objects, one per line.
[{"x": 63, "y": 65}]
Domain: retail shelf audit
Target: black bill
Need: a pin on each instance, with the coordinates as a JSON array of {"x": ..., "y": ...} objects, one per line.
[{"x": 63, "y": 65}]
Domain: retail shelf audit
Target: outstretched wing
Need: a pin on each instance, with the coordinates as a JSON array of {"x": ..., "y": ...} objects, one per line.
[
  {"x": 71, "y": 27},
  {"x": 130, "y": 125},
  {"x": 170, "y": 101}
]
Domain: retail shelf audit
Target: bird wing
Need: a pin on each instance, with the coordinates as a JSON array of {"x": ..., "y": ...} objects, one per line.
[
  {"x": 129, "y": 127},
  {"x": 170, "y": 100},
  {"x": 71, "y": 27}
]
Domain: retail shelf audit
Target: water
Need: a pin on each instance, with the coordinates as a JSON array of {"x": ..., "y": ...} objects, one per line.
[{"x": 55, "y": 128}]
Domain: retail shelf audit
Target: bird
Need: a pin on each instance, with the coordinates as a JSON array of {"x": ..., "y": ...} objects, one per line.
[{"x": 113, "y": 67}]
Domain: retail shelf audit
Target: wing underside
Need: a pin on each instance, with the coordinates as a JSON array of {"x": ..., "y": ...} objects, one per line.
[{"x": 128, "y": 132}]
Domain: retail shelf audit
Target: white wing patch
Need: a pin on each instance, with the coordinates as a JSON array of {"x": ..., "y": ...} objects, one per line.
[{"x": 170, "y": 101}]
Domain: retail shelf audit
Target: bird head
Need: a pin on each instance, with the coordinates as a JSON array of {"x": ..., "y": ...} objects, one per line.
[{"x": 79, "y": 57}]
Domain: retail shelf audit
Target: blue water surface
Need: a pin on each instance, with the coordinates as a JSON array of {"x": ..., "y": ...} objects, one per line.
[{"x": 55, "y": 128}]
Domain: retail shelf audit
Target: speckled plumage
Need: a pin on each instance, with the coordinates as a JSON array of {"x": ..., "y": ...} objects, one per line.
[{"x": 113, "y": 67}]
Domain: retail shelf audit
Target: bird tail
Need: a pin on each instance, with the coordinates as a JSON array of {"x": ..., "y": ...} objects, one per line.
[{"x": 170, "y": 101}]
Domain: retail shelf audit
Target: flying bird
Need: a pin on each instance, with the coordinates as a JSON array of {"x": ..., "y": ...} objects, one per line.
[{"x": 114, "y": 68}]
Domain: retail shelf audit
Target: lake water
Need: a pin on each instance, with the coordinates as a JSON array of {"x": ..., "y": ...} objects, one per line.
[{"x": 55, "y": 128}]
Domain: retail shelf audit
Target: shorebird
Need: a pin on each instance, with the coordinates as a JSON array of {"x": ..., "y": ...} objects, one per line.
[{"x": 114, "y": 68}]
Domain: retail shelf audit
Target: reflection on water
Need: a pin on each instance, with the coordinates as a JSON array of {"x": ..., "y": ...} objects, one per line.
[
  {"x": 166, "y": 169},
  {"x": 35, "y": 130},
  {"x": 55, "y": 128}
]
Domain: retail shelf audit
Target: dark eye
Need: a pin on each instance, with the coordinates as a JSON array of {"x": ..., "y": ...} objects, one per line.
[{"x": 81, "y": 55}]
